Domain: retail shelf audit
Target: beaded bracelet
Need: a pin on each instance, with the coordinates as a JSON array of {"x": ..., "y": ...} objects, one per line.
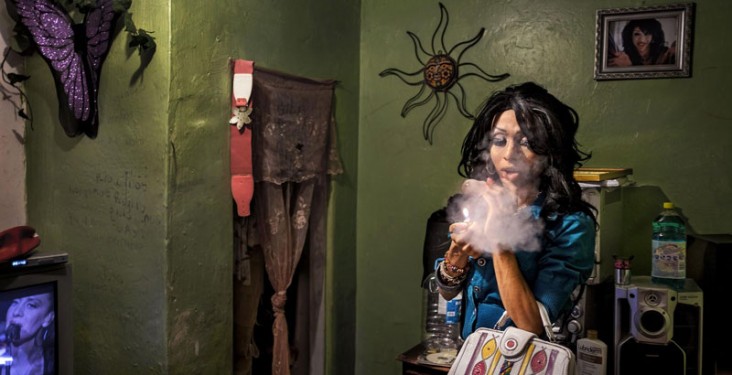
[
  {"x": 455, "y": 269},
  {"x": 450, "y": 280}
]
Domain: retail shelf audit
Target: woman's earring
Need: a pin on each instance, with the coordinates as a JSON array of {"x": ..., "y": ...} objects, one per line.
[
  {"x": 490, "y": 169},
  {"x": 40, "y": 338}
]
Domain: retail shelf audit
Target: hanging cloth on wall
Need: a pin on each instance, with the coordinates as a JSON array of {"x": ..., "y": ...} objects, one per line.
[
  {"x": 293, "y": 144},
  {"x": 242, "y": 181},
  {"x": 293, "y": 129}
]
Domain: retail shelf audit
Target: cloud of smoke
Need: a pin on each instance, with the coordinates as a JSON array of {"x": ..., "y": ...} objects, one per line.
[{"x": 493, "y": 218}]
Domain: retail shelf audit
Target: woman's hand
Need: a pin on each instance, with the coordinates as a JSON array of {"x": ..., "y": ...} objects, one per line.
[
  {"x": 460, "y": 249},
  {"x": 493, "y": 208},
  {"x": 502, "y": 205},
  {"x": 619, "y": 59}
]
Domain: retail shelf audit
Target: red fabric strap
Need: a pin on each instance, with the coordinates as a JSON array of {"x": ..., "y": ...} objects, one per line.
[{"x": 242, "y": 181}]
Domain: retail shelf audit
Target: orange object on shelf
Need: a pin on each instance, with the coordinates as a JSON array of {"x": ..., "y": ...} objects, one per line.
[{"x": 600, "y": 174}]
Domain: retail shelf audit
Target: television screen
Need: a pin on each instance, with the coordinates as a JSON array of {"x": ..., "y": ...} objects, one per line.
[
  {"x": 35, "y": 321},
  {"x": 28, "y": 338}
]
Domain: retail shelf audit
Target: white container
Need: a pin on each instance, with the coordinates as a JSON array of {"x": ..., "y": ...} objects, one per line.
[{"x": 591, "y": 355}]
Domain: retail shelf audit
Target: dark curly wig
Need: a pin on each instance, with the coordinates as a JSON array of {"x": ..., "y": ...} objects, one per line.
[{"x": 550, "y": 127}]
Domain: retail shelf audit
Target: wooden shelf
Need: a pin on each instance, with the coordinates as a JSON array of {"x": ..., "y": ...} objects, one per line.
[{"x": 600, "y": 174}]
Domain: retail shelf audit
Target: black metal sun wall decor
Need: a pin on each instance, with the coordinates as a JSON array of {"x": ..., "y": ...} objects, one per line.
[{"x": 440, "y": 75}]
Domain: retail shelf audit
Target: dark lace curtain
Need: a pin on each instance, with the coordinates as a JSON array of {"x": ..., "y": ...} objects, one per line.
[{"x": 294, "y": 154}]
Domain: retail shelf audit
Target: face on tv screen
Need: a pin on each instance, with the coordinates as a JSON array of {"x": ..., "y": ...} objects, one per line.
[{"x": 28, "y": 330}]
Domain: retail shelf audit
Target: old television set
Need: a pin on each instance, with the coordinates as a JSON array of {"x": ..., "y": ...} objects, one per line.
[{"x": 36, "y": 314}]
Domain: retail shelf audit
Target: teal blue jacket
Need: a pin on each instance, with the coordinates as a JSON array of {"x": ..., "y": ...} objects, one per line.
[{"x": 565, "y": 261}]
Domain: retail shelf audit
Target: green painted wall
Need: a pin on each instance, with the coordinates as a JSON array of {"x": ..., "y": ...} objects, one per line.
[
  {"x": 104, "y": 202},
  {"x": 674, "y": 133},
  {"x": 144, "y": 210}
]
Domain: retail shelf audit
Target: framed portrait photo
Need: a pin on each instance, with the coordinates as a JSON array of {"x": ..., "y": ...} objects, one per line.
[{"x": 648, "y": 42}]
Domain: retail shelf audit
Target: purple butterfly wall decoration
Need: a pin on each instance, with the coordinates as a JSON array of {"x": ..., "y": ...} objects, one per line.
[{"x": 74, "y": 53}]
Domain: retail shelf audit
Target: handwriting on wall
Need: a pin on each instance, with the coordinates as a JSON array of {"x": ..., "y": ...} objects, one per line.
[{"x": 117, "y": 196}]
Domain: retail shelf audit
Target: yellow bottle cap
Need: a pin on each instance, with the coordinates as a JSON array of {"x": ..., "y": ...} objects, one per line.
[{"x": 668, "y": 205}]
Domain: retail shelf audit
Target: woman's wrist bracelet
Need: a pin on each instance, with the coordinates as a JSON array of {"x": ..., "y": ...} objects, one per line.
[
  {"x": 453, "y": 268},
  {"x": 450, "y": 280}
]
